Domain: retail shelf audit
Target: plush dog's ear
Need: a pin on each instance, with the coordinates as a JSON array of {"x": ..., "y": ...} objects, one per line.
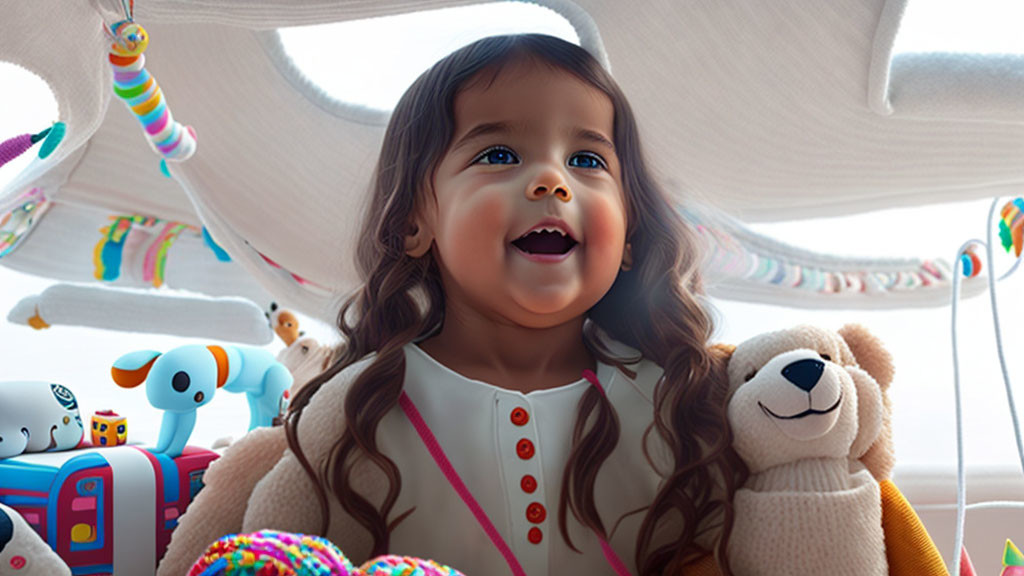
[
  {"x": 229, "y": 363},
  {"x": 871, "y": 355},
  {"x": 131, "y": 369}
]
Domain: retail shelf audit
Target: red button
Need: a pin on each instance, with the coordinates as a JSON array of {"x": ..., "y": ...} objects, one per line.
[
  {"x": 18, "y": 562},
  {"x": 536, "y": 513},
  {"x": 528, "y": 484},
  {"x": 520, "y": 417},
  {"x": 535, "y": 535},
  {"x": 524, "y": 448}
]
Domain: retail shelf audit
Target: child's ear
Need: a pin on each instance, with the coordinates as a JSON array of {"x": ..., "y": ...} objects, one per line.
[
  {"x": 417, "y": 240},
  {"x": 418, "y": 235}
]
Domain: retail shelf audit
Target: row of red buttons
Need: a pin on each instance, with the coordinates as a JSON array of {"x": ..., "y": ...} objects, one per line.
[{"x": 535, "y": 512}]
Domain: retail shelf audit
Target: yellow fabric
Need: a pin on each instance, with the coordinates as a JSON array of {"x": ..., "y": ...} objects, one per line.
[{"x": 909, "y": 548}]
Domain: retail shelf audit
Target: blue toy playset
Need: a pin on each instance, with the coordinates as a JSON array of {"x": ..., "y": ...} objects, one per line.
[
  {"x": 185, "y": 378},
  {"x": 104, "y": 511}
]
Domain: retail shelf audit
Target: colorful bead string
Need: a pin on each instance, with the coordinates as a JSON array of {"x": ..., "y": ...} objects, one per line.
[
  {"x": 309, "y": 284},
  {"x": 140, "y": 91},
  {"x": 16, "y": 224},
  {"x": 729, "y": 256},
  {"x": 1011, "y": 227}
]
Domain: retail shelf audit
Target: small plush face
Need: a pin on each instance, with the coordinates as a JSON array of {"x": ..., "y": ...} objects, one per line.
[
  {"x": 67, "y": 430},
  {"x": 305, "y": 359},
  {"x": 47, "y": 412},
  {"x": 182, "y": 379},
  {"x": 13, "y": 439},
  {"x": 792, "y": 397}
]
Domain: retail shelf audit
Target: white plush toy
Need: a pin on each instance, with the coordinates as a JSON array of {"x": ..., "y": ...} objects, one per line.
[
  {"x": 803, "y": 414},
  {"x": 23, "y": 552},
  {"x": 38, "y": 417}
]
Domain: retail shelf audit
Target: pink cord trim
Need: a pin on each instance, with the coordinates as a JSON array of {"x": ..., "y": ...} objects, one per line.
[
  {"x": 453, "y": 478},
  {"x": 613, "y": 559},
  {"x": 589, "y": 375}
]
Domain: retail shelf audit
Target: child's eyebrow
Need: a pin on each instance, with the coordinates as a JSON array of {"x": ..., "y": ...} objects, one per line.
[{"x": 488, "y": 128}]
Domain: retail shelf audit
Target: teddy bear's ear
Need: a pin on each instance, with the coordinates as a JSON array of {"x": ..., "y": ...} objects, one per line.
[{"x": 871, "y": 355}]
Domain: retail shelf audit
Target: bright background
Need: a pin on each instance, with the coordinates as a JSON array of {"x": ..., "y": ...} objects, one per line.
[{"x": 406, "y": 45}]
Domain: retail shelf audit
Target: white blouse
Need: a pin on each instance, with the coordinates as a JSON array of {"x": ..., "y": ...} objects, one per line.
[{"x": 510, "y": 450}]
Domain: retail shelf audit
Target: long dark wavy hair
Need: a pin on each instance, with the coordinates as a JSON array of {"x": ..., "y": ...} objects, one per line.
[{"x": 653, "y": 307}]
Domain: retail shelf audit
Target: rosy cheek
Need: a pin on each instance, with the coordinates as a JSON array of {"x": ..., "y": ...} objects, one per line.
[
  {"x": 483, "y": 220},
  {"x": 605, "y": 223}
]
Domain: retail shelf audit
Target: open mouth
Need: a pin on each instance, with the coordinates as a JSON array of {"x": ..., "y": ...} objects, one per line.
[
  {"x": 544, "y": 242},
  {"x": 807, "y": 412}
]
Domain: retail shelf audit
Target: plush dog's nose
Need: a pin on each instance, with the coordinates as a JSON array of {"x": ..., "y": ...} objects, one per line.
[{"x": 804, "y": 373}]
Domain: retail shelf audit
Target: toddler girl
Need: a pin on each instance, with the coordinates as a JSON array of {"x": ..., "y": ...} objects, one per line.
[{"x": 525, "y": 385}]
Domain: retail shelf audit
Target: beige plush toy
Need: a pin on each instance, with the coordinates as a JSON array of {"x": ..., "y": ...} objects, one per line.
[{"x": 811, "y": 418}]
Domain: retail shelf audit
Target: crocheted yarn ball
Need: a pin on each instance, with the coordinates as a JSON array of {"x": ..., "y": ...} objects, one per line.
[
  {"x": 405, "y": 566},
  {"x": 272, "y": 553}
]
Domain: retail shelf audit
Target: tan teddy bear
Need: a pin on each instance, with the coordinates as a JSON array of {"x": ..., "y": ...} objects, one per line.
[{"x": 810, "y": 417}]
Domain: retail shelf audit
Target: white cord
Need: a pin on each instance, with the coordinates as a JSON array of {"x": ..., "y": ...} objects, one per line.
[
  {"x": 961, "y": 493},
  {"x": 961, "y": 486},
  {"x": 999, "y": 338},
  {"x": 987, "y": 505}
]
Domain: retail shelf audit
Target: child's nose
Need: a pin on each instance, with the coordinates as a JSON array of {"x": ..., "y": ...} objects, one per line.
[{"x": 549, "y": 182}]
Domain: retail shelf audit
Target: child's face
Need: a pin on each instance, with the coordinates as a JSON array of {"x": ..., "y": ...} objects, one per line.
[{"x": 490, "y": 190}]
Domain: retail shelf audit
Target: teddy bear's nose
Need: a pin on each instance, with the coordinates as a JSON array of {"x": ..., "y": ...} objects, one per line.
[{"x": 804, "y": 373}]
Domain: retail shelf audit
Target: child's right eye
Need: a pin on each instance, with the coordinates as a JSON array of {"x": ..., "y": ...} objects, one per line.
[{"x": 497, "y": 155}]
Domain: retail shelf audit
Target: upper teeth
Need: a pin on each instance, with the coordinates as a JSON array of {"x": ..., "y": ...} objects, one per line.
[{"x": 546, "y": 229}]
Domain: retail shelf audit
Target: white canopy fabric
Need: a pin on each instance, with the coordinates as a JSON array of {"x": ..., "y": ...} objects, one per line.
[{"x": 752, "y": 111}]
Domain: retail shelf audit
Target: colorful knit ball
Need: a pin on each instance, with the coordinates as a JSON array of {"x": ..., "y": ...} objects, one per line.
[
  {"x": 272, "y": 553},
  {"x": 405, "y": 566}
]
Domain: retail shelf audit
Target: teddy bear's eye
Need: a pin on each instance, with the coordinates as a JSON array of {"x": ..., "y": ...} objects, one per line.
[
  {"x": 825, "y": 356},
  {"x": 750, "y": 376}
]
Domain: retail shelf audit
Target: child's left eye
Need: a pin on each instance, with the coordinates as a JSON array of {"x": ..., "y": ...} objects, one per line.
[{"x": 589, "y": 161}]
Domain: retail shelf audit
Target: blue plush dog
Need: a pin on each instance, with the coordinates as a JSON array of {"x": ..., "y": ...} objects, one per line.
[{"x": 185, "y": 378}]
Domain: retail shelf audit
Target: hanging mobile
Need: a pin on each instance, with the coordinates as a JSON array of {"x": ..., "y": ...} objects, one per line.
[{"x": 141, "y": 93}]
